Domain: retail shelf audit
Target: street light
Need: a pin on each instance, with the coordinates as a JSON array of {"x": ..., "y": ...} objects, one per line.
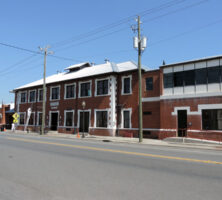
[{"x": 83, "y": 107}]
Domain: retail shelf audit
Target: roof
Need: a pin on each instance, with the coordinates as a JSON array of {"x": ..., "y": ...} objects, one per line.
[
  {"x": 85, "y": 72},
  {"x": 191, "y": 61}
]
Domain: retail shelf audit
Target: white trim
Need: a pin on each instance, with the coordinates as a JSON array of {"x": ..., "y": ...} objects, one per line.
[
  {"x": 107, "y": 110},
  {"x": 50, "y": 112},
  {"x": 122, "y": 117},
  {"x": 89, "y": 81},
  {"x": 78, "y": 121},
  {"x": 102, "y": 79},
  {"x": 185, "y": 96},
  {"x": 29, "y": 96},
  {"x": 122, "y": 89},
  {"x": 24, "y": 118},
  {"x": 26, "y": 100},
  {"x": 200, "y": 108},
  {"x": 38, "y": 118},
  {"x": 150, "y": 99},
  {"x": 73, "y": 114},
  {"x": 51, "y": 93},
  {"x": 74, "y": 90}
]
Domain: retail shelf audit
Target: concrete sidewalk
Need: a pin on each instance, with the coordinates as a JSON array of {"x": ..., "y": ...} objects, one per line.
[{"x": 170, "y": 142}]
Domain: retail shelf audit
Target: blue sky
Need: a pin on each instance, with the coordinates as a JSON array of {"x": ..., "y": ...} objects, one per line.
[{"x": 93, "y": 30}]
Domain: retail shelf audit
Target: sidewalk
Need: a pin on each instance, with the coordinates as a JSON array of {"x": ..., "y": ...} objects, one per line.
[{"x": 170, "y": 142}]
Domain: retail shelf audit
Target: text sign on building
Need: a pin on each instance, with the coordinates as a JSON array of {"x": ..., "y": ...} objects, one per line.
[{"x": 54, "y": 105}]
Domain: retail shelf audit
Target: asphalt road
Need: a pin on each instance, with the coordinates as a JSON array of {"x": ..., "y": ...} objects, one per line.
[{"x": 41, "y": 168}]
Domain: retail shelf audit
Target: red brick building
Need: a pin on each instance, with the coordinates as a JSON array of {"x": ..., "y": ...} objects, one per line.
[
  {"x": 181, "y": 99},
  {"x": 6, "y": 112}
]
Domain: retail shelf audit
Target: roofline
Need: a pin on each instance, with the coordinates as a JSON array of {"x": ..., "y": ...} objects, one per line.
[
  {"x": 192, "y": 61},
  {"x": 15, "y": 90}
]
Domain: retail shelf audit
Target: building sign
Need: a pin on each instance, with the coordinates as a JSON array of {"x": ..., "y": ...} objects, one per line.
[{"x": 54, "y": 105}]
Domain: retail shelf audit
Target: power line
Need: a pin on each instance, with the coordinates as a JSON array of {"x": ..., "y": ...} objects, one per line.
[
  {"x": 37, "y": 52},
  {"x": 114, "y": 24}
]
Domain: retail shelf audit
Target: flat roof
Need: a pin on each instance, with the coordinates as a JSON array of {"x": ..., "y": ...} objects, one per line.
[{"x": 192, "y": 61}]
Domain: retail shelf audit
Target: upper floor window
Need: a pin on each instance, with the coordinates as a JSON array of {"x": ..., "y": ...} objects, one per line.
[
  {"x": 126, "y": 85},
  {"x": 213, "y": 74},
  {"x": 40, "y": 95},
  {"x": 168, "y": 80},
  {"x": 189, "y": 77},
  {"x": 101, "y": 118},
  {"x": 70, "y": 90},
  {"x": 23, "y": 97},
  {"x": 55, "y": 93},
  {"x": 32, "y": 96},
  {"x": 201, "y": 76},
  {"x": 85, "y": 89},
  {"x": 102, "y": 87},
  {"x": 149, "y": 83}
]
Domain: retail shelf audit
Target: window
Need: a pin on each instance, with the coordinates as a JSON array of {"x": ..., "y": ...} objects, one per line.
[
  {"x": 39, "y": 118},
  {"x": 189, "y": 77},
  {"x": 101, "y": 118},
  {"x": 168, "y": 80},
  {"x": 102, "y": 87},
  {"x": 22, "y": 118},
  {"x": 85, "y": 89},
  {"x": 70, "y": 91},
  {"x": 201, "y": 76},
  {"x": 54, "y": 93},
  {"x": 32, "y": 96},
  {"x": 23, "y": 97},
  {"x": 126, "y": 119},
  {"x": 213, "y": 74},
  {"x": 40, "y": 95},
  {"x": 149, "y": 83},
  {"x": 212, "y": 119},
  {"x": 126, "y": 85},
  {"x": 147, "y": 113},
  {"x": 178, "y": 79},
  {"x": 68, "y": 118},
  {"x": 31, "y": 119}
]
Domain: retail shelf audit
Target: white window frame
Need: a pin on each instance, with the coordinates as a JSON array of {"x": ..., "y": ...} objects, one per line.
[
  {"x": 42, "y": 94},
  {"x": 89, "y": 110},
  {"x": 29, "y": 97},
  {"x": 65, "y": 90},
  {"x": 90, "y": 81},
  {"x": 33, "y": 119},
  {"x": 57, "y": 86},
  {"x": 21, "y": 97},
  {"x": 96, "y": 110},
  {"x": 24, "y": 118},
  {"x": 102, "y": 79},
  {"x": 73, "y": 114},
  {"x": 122, "y": 89},
  {"x": 122, "y": 117},
  {"x": 38, "y": 118}
]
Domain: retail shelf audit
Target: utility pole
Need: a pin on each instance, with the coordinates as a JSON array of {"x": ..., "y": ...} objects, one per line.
[
  {"x": 140, "y": 45},
  {"x": 45, "y": 50}
]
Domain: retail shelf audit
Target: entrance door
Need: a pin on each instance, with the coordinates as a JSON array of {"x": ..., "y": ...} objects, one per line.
[
  {"x": 54, "y": 121},
  {"x": 182, "y": 123},
  {"x": 84, "y": 122}
]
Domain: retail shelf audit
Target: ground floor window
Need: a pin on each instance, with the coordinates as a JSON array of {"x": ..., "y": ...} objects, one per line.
[
  {"x": 68, "y": 118},
  {"x": 22, "y": 118},
  {"x": 126, "y": 119},
  {"x": 39, "y": 118},
  {"x": 31, "y": 119},
  {"x": 101, "y": 118},
  {"x": 212, "y": 119}
]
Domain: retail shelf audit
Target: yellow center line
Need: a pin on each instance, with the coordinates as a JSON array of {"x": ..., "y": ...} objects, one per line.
[{"x": 116, "y": 151}]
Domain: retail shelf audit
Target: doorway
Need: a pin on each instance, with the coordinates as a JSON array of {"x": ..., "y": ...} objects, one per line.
[
  {"x": 54, "y": 121},
  {"x": 84, "y": 121},
  {"x": 182, "y": 123}
]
